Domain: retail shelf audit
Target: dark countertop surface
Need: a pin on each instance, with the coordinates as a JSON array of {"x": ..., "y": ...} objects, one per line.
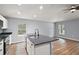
[
  {"x": 41, "y": 39},
  {"x": 4, "y": 35}
]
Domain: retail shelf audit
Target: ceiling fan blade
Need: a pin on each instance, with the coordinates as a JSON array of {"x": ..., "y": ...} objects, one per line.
[
  {"x": 71, "y": 8},
  {"x": 66, "y": 10},
  {"x": 77, "y": 8}
]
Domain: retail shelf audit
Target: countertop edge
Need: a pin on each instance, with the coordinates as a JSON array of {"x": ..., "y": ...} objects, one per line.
[{"x": 45, "y": 42}]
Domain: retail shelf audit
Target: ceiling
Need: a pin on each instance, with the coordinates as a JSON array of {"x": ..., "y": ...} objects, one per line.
[{"x": 48, "y": 12}]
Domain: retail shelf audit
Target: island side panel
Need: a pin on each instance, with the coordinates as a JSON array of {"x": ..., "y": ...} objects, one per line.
[
  {"x": 30, "y": 47},
  {"x": 42, "y": 49}
]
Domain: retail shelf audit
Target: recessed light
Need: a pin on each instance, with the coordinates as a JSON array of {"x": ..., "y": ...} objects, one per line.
[
  {"x": 34, "y": 16},
  {"x": 41, "y": 7},
  {"x": 19, "y": 4},
  {"x": 18, "y": 12}
]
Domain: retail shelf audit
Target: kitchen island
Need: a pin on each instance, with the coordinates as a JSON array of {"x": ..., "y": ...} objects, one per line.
[{"x": 39, "y": 45}]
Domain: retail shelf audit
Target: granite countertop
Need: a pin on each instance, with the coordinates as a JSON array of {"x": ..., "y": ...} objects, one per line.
[{"x": 41, "y": 39}]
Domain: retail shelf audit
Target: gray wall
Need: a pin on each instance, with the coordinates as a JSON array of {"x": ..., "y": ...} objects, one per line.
[
  {"x": 45, "y": 28},
  {"x": 71, "y": 29}
]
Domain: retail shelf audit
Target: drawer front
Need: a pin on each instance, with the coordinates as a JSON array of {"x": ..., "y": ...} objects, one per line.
[
  {"x": 1, "y": 44},
  {"x": 1, "y": 47}
]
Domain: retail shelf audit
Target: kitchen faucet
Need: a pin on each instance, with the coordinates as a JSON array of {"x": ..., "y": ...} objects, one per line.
[{"x": 36, "y": 32}]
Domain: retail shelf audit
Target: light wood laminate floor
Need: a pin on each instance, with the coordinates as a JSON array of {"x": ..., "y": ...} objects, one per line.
[
  {"x": 12, "y": 49},
  {"x": 59, "y": 47},
  {"x": 65, "y": 47},
  {"x": 17, "y": 49}
]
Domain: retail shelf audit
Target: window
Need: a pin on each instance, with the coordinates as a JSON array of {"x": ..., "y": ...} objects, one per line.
[
  {"x": 61, "y": 29},
  {"x": 21, "y": 29}
]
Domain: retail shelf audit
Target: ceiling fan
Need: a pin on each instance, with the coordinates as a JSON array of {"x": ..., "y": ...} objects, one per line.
[{"x": 72, "y": 8}]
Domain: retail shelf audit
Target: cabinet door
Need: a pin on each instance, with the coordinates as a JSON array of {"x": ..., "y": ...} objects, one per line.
[
  {"x": 30, "y": 47},
  {"x": 1, "y": 47},
  {"x": 5, "y": 22}
]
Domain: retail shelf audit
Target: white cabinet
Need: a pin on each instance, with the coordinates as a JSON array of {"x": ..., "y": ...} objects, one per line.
[
  {"x": 30, "y": 47},
  {"x": 1, "y": 47},
  {"x": 5, "y": 22},
  {"x": 41, "y": 49}
]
